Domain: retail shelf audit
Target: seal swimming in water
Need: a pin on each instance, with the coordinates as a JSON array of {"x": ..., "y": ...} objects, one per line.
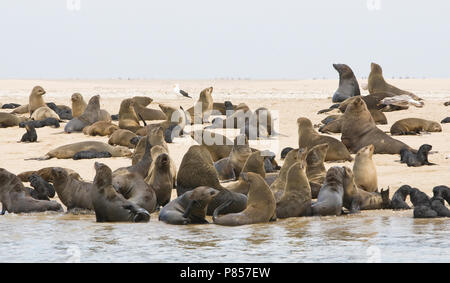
[
  {"x": 331, "y": 194},
  {"x": 417, "y": 159},
  {"x": 364, "y": 169},
  {"x": 69, "y": 150},
  {"x": 308, "y": 137},
  {"x": 189, "y": 208},
  {"x": 359, "y": 130},
  {"x": 110, "y": 206},
  {"x": 73, "y": 193},
  {"x": 261, "y": 205},
  {"x": 16, "y": 199},
  {"x": 413, "y": 126},
  {"x": 348, "y": 84}
]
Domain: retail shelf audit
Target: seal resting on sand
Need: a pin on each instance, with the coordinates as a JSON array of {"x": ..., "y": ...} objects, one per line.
[{"x": 413, "y": 126}]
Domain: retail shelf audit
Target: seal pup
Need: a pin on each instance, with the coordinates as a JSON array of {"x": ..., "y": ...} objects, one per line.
[
  {"x": 413, "y": 126},
  {"x": 69, "y": 150},
  {"x": 189, "y": 208},
  {"x": 11, "y": 106},
  {"x": 46, "y": 174},
  {"x": 315, "y": 168},
  {"x": 30, "y": 135},
  {"x": 78, "y": 105},
  {"x": 445, "y": 120},
  {"x": 100, "y": 128},
  {"x": 308, "y": 137},
  {"x": 73, "y": 193},
  {"x": 442, "y": 191},
  {"x": 16, "y": 199},
  {"x": 90, "y": 154},
  {"x": 124, "y": 138},
  {"x": 35, "y": 100},
  {"x": 348, "y": 84},
  {"x": 416, "y": 159},
  {"x": 133, "y": 187},
  {"x": 10, "y": 120},
  {"x": 51, "y": 122},
  {"x": 110, "y": 206},
  {"x": 422, "y": 204},
  {"x": 42, "y": 188},
  {"x": 364, "y": 169},
  {"x": 359, "y": 130},
  {"x": 63, "y": 112},
  {"x": 296, "y": 199},
  {"x": 204, "y": 104},
  {"x": 261, "y": 205},
  {"x": 377, "y": 84},
  {"x": 90, "y": 115},
  {"x": 331, "y": 194},
  {"x": 399, "y": 198}
]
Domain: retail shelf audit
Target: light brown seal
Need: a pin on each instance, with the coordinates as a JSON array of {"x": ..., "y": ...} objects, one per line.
[
  {"x": 133, "y": 187},
  {"x": 35, "y": 99},
  {"x": 219, "y": 146},
  {"x": 308, "y": 137},
  {"x": 203, "y": 106},
  {"x": 100, "y": 128},
  {"x": 364, "y": 169},
  {"x": 147, "y": 113},
  {"x": 161, "y": 176},
  {"x": 10, "y": 120},
  {"x": 413, "y": 126},
  {"x": 127, "y": 116},
  {"x": 78, "y": 105},
  {"x": 124, "y": 138},
  {"x": 315, "y": 169},
  {"x": 44, "y": 112},
  {"x": 359, "y": 130},
  {"x": 47, "y": 175}
]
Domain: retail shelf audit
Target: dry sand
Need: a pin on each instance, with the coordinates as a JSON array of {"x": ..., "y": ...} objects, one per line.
[{"x": 290, "y": 99}]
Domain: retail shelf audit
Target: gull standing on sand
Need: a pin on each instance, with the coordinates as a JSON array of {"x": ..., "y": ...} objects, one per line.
[{"x": 177, "y": 90}]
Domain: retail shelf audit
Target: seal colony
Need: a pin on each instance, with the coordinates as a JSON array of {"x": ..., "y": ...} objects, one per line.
[{"x": 227, "y": 179}]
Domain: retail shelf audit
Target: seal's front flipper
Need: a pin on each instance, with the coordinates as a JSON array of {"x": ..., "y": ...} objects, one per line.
[{"x": 221, "y": 207}]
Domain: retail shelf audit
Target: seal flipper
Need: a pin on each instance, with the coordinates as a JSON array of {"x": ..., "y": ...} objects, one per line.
[
  {"x": 141, "y": 215},
  {"x": 45, "y": 157},
  {"x": 3, "y": 210},
  {"x": 221, "y": 207},
  {"x": 145, "y": 123},
  {"x": 188, "y": 209}
]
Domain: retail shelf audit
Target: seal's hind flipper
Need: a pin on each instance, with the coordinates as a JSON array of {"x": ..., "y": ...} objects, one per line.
[{"x": 45, "y": 157}]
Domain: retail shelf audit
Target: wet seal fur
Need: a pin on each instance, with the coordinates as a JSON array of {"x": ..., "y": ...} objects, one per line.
[
  {"x": 364, "y": 170},
  {"x": 331, "y": 194}
]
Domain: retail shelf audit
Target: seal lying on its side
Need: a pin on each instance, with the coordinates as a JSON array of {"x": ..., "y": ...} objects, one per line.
[
  {"x": 413, "y": 126},
  {"x": 189, "y": 208},
  {"x": 110, "y": 206}
]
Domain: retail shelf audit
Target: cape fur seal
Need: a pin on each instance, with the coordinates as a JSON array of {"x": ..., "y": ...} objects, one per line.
[
  {"x": 219, "y": 146},
  {"x": 23, "y": 109},
  {"x": 418, "y": 158},
  {"x": 69, "y": 150},
  {"x": 422, "y": 204},
  {"x": 10, "y": 120},
  {"x": 331, "y": 194},
  {"x": 155, "y": 137},
  {"x": 44, "y": 112},
  {"x": 147, "y": 113},
  {"x": 16, "y": 199},
  {"x": 11, "y": 106},
  {"x": 399, "y": 198},
  {"x": 189, "y": 208},
  {"x": 64, "y": 112},
  {"x": 78, "y": 105},
  {"x": 128, "y": 118},
  {"x": 90, "y": 154},
  {"x": 348, "y": 84},
  {"x": 261, "y": 205},
  {"x": 230, "y": 167},
  {"x": 445, "y": 120},
  {"x": 296, "y": 199},
  {"x": 359, "y": 130},
  {"x": 142, "y": 167},
  {"x": 44, "y": 190},
  {"x": 100, "y": 128},
  {"x": 73, "y": 193},
  {"x": 308, "y": 137},
  {"x": 35, "y": 99},
  {"x": 223, "y": 107},
  {"x": 46, "y": 174},
  {"x": 30, "y": 135},
  {"x": 161, "y": 177},
  {"x": 315, "y": 168},
  {"x": 90, "y": 115},
  {"x": 377, "y": 84},
  {"x": 110, "y": 206},
  {"x": 364, "y": 169},
  {"x": 200, "y": 112},
  {"x": 42, "y": 123},
  {"x": 413, "y": 126},
  {"x": 124, "y": 138}
]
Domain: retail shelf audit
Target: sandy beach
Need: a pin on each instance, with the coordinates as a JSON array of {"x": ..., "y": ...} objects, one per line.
[{"x": 288, "y": 99}]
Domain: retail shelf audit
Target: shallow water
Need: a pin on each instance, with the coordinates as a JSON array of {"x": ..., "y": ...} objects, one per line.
[{"x": 376, "y": 236}]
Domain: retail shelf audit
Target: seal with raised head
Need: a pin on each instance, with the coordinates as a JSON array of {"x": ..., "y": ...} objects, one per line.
[
  {"x": 399, "y": 198},
  {"x": 30, "y": 135},
  {"x": 100, "y": 128},
  {"x": 189, "y": 208},
  {"x": 161, "y": 177},
  {"x": 418, "y": 158},
  {"x": 296, "y": 199},
  {"x": 315, "y": 168},
  {"x": 413, "y": 126},
  {"x": 124, "y": 138},
  {"x": 155, "y": 137},
  {"x": 308, "y": 137},
  {"x": 90, "y": 115},
  {"x": 110, "y": 206},
  {"x": 230, "y": 167},
  {"x": 147, "y": 113},
  {"x": 69, "y": 150},
  {"x": 45, "y": 190},
  {"x": 331, "y": 194},
  {"x": 35, "y": 99},
  {"x": 348, "y": 84},
  {"x": 16, "y": 199},
  {"x": 261, "y": 205},
  {"x": 73, "y": 193},
  {"x": 78, "y": 105},
  {"x": 359, "y": 130},
  {"x": 203, "y": 106},
  {"x": 128, "y": 118},
  {"x": 364, "y": 170}
]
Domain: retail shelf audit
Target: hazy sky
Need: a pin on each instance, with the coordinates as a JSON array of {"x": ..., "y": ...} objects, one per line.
[{"x": 190, "y": 39}]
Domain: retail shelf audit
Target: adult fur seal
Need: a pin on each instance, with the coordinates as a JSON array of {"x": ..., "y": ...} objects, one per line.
[
  {"x": 359, "y": 130},
  {"x": 364, "y": 169},
  {"x": 69, "y": 150},
  {"x": 44, "y": 112},
  {"x": 413, "y": 126},
  {"x": 417, "y": 159},
  {"x": 399, "y": 198},
  {"x": 202, "y": 108},
  {"x": 73, "y": 193},
  {"x": 334, "y": 124},
  {"x": 23, "y": 109},
  {"x": 219, "y": 146},
  {"x": 261, "y": 205},
  {"x": 147, "y": 113},
  {"x": 161, "y": 177},
  {"x": 100, "y": 128},
  {"x": 230, "y": 167},
  {"x": 124, "y": 138},
  {"x": 46, "y": 174},
  {"x": 189, "y": 208},
  {"x": 35, "y": 99},
  {"x": 296, "y": 199},
  {"x": 128, "y": 118},
  {"x": 330, "y": 198},
  {"x": 315, "y": 169},
  {"x": 78, "y": 105},
  {"x": 377, "y": 84},
  {"x": 133, "y": 187},
  {"x": 142, "y": 167},
  {"x": 308, "y": 137},
  {"x": 110, "y": 206},
  {"x": 10, "y": 120},
  {"x": 16, "y": 199},
  {"x": 155, "y": 137},
  {"x": 90, "y": 115},
  {"x": 348, "y": 85}
]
